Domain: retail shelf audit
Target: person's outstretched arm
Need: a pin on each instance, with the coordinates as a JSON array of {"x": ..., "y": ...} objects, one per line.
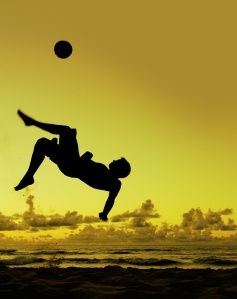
[{"x": 110, "y": 201}]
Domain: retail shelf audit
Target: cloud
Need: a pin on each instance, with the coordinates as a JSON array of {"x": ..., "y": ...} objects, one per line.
[
  {"x": 144, "y": 212},
  {"x": 140, "y": 222},
  {"x": 139, "y": 225},
  {"x": 195, "y": 219},
  {"x": 32, "y": 221},
  {"x": 6, "y": 223},
  {"x": 101, "y": 234},
  {"x": 90, "y": 219},
  {"x": 226, "y": 212},
  {"x": 135, "y": 227},
  {"x": 36, "y": 221}
]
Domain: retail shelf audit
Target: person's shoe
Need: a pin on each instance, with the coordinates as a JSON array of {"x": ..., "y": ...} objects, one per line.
[{"x": 26, "y": 181}]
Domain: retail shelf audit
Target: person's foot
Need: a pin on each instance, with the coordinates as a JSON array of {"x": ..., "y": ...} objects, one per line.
[
  {"x": 26, "y": 181},
  {"x": 27, "y": 120}
]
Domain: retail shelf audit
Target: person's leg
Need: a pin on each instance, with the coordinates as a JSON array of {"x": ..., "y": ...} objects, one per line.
[
  {"x": 42, "y": 148},
  {"x": 67, "y": 156},
  {"x": 51, "y": 128}
]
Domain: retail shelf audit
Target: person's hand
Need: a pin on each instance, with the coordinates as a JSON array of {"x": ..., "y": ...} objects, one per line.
[{"x": 103, "y": 217}]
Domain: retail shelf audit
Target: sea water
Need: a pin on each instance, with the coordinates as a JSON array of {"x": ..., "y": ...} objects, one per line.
[{"x": 138, "y": 256}]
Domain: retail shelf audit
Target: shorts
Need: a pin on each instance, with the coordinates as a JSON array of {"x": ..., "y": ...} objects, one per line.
[{"x": 66, "y": 153}]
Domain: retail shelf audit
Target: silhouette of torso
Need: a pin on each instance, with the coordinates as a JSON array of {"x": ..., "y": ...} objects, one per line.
[{"x": 96, "y": 175}]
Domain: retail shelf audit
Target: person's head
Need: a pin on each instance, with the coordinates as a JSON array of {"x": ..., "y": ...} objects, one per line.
[{"x": 120, "y": 168}]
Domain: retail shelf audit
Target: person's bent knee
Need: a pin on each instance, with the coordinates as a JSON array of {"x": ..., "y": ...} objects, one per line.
[
  {"x": 43, "y": 144},
  {"x": 42, "y": 141}
]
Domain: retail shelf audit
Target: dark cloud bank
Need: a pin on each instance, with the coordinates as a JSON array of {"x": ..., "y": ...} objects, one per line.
[{"x": 139, "y": 225}]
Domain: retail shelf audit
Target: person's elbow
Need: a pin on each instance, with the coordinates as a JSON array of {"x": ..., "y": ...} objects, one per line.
[{"x": 116, "y": 187}]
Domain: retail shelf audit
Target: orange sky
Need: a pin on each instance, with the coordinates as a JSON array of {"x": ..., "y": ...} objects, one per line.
[{"x": 152, "y": 81}]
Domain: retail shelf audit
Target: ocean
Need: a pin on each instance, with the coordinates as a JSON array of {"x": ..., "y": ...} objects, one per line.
[{"x": 137, "y": 256}]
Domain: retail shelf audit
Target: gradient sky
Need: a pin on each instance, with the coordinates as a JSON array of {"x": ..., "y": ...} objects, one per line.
[{"x": 153, "y": 81}]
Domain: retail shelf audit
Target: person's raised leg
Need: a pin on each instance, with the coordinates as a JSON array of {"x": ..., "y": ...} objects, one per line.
[
  {"x": 41, "y": 149},
  {"x": 51, "y": 128}
]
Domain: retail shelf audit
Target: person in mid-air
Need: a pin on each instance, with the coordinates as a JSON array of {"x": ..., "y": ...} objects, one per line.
[{"x": 65, "y": 154}]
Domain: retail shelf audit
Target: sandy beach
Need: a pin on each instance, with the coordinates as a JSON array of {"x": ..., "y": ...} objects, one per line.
[{"x": 117, "y": 282}]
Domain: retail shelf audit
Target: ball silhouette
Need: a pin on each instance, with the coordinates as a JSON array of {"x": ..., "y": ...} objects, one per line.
[{"x": 63, "y": 49}]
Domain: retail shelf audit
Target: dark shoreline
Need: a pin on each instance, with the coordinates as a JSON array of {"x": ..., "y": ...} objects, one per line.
[{"x": 117, "y": 282}]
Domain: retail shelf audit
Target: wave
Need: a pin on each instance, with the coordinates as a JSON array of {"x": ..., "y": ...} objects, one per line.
[
  {"x": 121, "y": 252},
  {"x": 149, "y": 262},
  {"x": 126, "y": 261},
  {"x": 215, "y": 261},
  {"x": 141, "y": 257},
  {"x": 7, "y": 251},
  {"x": 50, "y": 252},
  {"x": 21, "y": 261},
  {"x": 27, "y": 260}
]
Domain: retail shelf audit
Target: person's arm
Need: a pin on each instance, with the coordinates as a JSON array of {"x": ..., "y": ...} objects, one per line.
[{"x": 110, "y": 201}]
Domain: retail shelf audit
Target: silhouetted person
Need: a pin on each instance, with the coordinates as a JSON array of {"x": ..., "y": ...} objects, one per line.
[{"x": 66, "y": 155}]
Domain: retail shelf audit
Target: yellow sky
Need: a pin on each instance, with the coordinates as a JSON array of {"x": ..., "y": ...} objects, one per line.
[{"x": 153, "y": 81}]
